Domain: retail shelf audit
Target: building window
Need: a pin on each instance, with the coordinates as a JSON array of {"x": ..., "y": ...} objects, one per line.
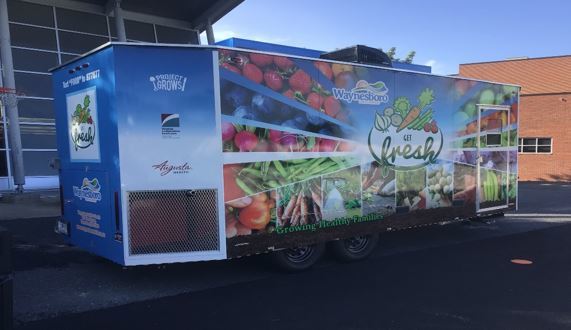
[
  {"x": 541, "y": 145},
  {"x": 30, "y": 13},
  {"x": 38, "y": 38},
  {"x": 138, "y": 31},
  {"x": 79, "y": 43},
  {"x": 170, "y": 35},
  {"x": 77, "y": 21}
]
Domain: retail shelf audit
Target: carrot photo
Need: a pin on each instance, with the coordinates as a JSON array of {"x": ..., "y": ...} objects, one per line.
[{"x": 300, "y": 204}]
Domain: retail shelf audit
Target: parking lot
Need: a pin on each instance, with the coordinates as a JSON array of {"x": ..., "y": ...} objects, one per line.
[{"x": 443, "y": 276}]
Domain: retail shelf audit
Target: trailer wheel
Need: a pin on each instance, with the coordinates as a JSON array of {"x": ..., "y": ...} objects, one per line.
[
  {"x": 354, "y": 248},
  {"x": 298, "y": 258}
]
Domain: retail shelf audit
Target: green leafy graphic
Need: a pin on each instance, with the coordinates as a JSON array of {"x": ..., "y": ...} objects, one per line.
[
  {"x": 425, "y": 98},
  {"x": 403, "y": 115},
  {"x": 82, "y": 114},
  {"x": 401, "y": 106},
  {"x": 378, "y": 85}
]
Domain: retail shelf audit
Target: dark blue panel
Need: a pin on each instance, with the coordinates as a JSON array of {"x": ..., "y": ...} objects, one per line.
[{"x": 89, "y": 183}]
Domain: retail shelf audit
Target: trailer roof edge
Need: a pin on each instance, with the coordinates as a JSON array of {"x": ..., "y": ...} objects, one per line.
[{"x": 142, "y": 44}]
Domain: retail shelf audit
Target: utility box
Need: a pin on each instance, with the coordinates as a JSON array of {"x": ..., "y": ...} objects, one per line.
[{"x": 359, "y": 54}]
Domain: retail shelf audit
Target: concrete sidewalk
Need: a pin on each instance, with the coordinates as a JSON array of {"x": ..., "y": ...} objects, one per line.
[{"x": 32, "y": 204}]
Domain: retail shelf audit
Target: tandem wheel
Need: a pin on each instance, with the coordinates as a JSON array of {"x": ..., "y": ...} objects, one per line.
[
  {"x": 354, "y": 248},
  {"x": 298, "y": 258}
]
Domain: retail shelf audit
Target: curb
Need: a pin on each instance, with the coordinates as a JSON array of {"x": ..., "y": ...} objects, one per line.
[{"x": 47, "y": 196}]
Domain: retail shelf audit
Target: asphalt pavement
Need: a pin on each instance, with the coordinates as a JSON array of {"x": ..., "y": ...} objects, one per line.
[
  {"x": 469, "y": 285},
  {"x": 438, "y": 277},
  {"x": 544, "y": 197}
]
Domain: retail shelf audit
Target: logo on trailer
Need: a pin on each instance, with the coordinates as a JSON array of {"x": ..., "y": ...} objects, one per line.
[
  {"x": 363, "y": 93},
  {"x": 168, "y": 82},
  {"x": 89, "y": 190},
  {"x": 166, "y": 168},
  {"x": 82, "y": 125},
  {"x": 406, "y": 136},
  {"x": 170, "y": 125}
]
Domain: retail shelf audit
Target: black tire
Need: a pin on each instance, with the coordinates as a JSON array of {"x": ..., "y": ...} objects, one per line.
[
  {"x": 299, "y": 258},
  {"x": 354, "y": 248}
]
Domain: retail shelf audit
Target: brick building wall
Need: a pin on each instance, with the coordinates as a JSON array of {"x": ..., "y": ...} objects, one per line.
[{"x": 546, "y": 116}]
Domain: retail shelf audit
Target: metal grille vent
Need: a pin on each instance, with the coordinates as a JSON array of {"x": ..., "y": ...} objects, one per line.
[{"x": 173, "y": 221}]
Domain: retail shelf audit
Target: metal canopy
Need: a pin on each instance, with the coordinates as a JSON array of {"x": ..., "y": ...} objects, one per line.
[{"x": 197, "y": 12}]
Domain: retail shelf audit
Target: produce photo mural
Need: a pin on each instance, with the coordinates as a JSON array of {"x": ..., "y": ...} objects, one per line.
[
  {"x": 440, "y": 179},
  {"x": 466, "y": 118},
  {"x": 496, "y": 160},
  {"x": 378, "y": 190},
  {"x": 251, "y": 214},
  {"x": 466, "y": 157},
  {"x": 300, "y": 204},
  {"x": 276, "y": 90},
  {"x": 243, "y": 104},
  {"x": 493, "y": 188},
  {"x": 465, "y": 183},
  {"x": 411, "y": 190},
  {"x": 490, "y": 95},
  {"x": 247, "y": 179},
  {"x": 310, "y": 144},
  {"x": 341, "y": 194},
  {"x": 282, "y": 75},
  {"x": 244, "y": 138}
]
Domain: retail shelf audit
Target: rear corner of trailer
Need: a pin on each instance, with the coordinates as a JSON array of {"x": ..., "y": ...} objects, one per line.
[
  {"x": 87, "y": 146},
  {"x": 169, "y": 154}
]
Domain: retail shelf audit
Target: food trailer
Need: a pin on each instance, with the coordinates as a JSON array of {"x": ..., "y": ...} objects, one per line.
[{"x": 178, "y": 153}]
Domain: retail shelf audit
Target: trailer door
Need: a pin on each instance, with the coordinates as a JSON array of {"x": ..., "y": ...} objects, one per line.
[{"x": 493, "y": 157}]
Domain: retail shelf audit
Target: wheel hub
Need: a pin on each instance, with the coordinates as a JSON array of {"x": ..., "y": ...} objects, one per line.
[
  {"x": 299, "y": 254},
  {"x": 356, "y": 244}
]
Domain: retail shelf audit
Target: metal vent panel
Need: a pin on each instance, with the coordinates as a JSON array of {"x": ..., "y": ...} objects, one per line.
[{"x": 172, "y": 221}]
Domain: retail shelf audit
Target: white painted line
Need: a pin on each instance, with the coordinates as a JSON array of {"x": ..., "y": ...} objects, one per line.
[
  {"x": 538, "y": 215},
  {"x": 543, "y": 220}
]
